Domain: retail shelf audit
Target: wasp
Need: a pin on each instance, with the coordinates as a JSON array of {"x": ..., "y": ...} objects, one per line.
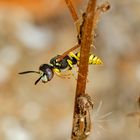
[{"x": 46, "y": 71}]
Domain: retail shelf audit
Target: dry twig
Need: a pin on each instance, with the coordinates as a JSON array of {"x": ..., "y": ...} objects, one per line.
[
  {"x": 81, "y": 117},
  {"x": 86, "y": 40},
  {"x": 67, "y": 52},
  {"x": 73, "y": 13},
  {"x": 102, "y": 8}
]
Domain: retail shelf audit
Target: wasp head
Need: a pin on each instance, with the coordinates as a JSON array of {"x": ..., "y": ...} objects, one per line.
[{"x": 45, "y": 71}]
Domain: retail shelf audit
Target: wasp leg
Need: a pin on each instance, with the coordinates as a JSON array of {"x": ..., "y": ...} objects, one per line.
[
  {"x": 73, "y": 74},
  {"x": 70, "y": 64},
  {"x": 58, "y": 73},
  {"x": 71, "y": 54}
]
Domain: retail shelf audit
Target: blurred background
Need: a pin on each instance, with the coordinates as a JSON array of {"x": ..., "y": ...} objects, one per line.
[{"x": 34, "y": 31}]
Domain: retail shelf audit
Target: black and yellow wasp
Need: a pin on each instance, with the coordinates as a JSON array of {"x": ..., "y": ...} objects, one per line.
[{"x": 46, "y": 71}]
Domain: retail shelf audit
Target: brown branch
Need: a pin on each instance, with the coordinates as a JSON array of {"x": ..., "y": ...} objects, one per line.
[
  {"x": 73, "y": 13},
  {"x": 85, "y": 47},
  {"x": 67, "y": 52},
  {"x": 75, "y": 18},
  {"x": 102, "y": 8},
  {"x": 72, "y": 10},
  {"x": 86, "y": 40}
]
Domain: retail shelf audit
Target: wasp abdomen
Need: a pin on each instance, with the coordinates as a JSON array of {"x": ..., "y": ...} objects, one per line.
[{"x": 93, "y": 59}]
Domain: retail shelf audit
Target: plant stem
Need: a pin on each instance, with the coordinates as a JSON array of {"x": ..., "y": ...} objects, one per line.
[
  {"x": 103, "y": 8},
  {"x": 67, "y": 52},
  {"x": 72, "y": 10},
  {"x": 73, "y": 13},
  {"x": 86, "y": 40}
]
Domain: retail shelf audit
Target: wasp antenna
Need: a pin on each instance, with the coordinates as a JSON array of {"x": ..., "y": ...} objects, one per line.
[
  {"x": 25, "y": 72},
  {"x": 38, "y": 80}
]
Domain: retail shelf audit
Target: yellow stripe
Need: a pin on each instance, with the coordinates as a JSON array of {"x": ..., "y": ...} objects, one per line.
[{"x": 94, "y": 60}]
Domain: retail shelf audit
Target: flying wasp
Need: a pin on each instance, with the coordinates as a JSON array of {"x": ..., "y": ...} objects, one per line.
[{"x": 46, "y": 71}]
